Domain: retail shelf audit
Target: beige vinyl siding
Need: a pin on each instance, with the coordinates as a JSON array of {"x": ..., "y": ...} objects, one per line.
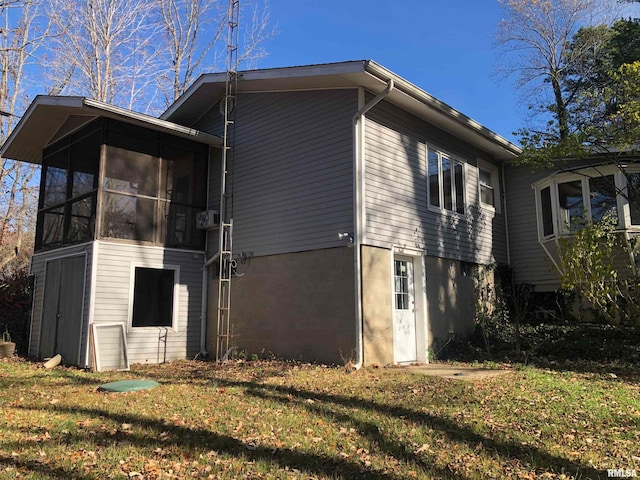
[
  {"x": 291, "y": 174},
  {"x": 113, "y": 300},
  {"x": 38, "y": 268},
  {"x": 397, "y": 211}
]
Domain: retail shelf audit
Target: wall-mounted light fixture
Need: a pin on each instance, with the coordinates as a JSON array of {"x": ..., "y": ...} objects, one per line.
[{"x": 346, "y": 236}]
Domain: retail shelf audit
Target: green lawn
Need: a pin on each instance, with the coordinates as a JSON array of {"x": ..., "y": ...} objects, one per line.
[{"x": 276, "y": 420}]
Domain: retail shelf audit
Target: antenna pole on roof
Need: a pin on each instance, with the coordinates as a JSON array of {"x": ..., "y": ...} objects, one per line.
[{"x": 226, "y": 225}]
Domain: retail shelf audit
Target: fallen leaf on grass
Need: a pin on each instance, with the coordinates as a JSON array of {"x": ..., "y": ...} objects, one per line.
[{"x": 423, "y": 448}]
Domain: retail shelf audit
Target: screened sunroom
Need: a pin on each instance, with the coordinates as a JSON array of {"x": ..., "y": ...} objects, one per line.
[
  {"x": 118, "y": 256},
  {"x": 112, "y": 180}
]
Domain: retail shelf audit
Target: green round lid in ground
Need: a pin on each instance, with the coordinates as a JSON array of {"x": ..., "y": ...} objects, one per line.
[{"x": 127, "y": 386}]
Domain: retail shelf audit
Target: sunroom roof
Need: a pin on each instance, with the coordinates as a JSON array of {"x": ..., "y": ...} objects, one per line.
[{"x": 48, "y": 118}]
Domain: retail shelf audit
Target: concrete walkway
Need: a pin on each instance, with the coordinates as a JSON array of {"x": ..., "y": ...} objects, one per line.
[{"x": 460, "y": 372}]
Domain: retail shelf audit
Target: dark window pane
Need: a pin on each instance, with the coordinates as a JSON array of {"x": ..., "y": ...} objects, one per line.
[
  {"x": 131, "y": 172},
  {"x": 602, "y": 192},
  {"x": 447, "y": 183},
  {"x": 485, "y": 177},
  {"x": 81, "y": 221},
  {"x": 401, "y": 285},
  {"x": 83, "y": 182},
  {"x": 486, "y": 188},
  {"x": 434, "y": 185},
  {"x": 55, "y": 186},
  {"x": 547, "y": 217},
  {"x": 190, "y": 169},
  {"x": 459, "y": 188},
  {"x": 180, "y": 226},
  {"x": 128, "y": 217},
  {"x": 85, "y": 155},
  {"x": 633, "y": 193},
  {"x": 153, "y": 297},
  {"x": 487, "y": 195},
  {"x": 52, "y": 226},
  {"x": 571, "y": 204}
]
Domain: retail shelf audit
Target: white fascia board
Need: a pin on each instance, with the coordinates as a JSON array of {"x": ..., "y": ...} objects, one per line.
[
  {"x": 511, "y": 151},
  {"x": 46, "y": 115},
  {"x": 153, "y": 122},
  {"x": 357, "y": 73},
  {"x": 280, "y": 73}
]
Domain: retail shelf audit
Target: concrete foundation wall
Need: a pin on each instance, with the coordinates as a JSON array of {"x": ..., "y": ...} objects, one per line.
[
  {"x": 450, "y": 302},
  {"x": 377, "y": 313},
  {"x": 450, "y": 299},
  {"x": 298, "y": 306}
]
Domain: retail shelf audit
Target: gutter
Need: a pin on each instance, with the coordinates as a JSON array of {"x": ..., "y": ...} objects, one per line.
[
  {"x": 358, "y": 179},
  {"x": 449, "y": 112}
]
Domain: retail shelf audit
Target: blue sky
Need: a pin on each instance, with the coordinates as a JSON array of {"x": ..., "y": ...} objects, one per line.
[{"x": 443, "y": 47}]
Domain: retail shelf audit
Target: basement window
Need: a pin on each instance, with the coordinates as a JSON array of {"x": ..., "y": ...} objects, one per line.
[{"x": 153, "y": 297}]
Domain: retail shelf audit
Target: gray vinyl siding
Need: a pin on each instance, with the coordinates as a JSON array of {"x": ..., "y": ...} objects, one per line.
[
  {"x": 113, "y": 292},
  {"x": 292, "y": 171},
  {"x": 38, "y": 269},
  {"x": 397, "y": 211},
  {"x": 530, "y": 262}
]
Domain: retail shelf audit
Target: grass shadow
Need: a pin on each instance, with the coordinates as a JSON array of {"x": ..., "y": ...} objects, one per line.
[
  {"x": 455, "y": 432},
  {"x": 305, "y": 461}
]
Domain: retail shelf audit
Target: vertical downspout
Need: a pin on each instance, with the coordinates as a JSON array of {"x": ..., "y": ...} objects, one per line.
[
  {"x": 358, "y": 208},
  {"x": 203, "y": 308},
  {"x": 205, "y": 275},
  {"x": 504, "y": 209}
]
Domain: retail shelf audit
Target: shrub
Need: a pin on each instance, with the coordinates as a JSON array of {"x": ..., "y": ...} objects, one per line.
[{"x": 15, "y": 306}]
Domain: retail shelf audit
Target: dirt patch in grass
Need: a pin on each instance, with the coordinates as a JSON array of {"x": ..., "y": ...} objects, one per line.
[{"x": 459, "y": 371}]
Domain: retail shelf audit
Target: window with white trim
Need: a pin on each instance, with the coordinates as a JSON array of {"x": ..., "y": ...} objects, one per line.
[
  {"x": 632, "y": 192},
  {"x": 446, "y": 182},
  {"x": 488, "y": 186},
  {"x": 569, "y": 200}
]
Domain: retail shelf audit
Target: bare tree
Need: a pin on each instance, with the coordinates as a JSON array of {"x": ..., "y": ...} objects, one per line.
[
  {"x": 104, "y": 49},
  {"x": 194, "y": 36},
  {"x": 22, "y": 35},
  {"x": 533, "y": 37},
  {"x": 141, "y": 54},
  {"x": 184, "y": 22}
]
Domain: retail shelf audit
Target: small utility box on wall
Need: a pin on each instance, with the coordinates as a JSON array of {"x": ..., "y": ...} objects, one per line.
[{"x": 208, "y": 220}]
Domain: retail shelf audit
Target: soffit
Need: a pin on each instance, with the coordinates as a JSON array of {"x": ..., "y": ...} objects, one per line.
[
  {"x": 209, "y": 88},
  {"x": 50, "y": 118}
]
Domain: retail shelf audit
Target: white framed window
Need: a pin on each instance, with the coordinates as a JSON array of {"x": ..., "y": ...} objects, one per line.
[
  {"x": 566, "y": 201},
  {"x": 445, "y": 188},
  {"x": 154, "y": 297},
  {"x": 488, "y": 186}
]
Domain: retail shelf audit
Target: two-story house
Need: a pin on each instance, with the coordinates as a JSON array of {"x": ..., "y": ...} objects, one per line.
[{"x": 360, "y": 204}]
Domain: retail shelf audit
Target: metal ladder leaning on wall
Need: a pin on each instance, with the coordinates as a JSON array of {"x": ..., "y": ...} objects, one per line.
[{"x": 226, "y": 227}]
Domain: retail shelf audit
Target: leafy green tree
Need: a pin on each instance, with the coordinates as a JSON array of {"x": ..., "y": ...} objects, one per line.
[
  {"x": 604, "y": 87},
  {"x": 567, "y": 58}
]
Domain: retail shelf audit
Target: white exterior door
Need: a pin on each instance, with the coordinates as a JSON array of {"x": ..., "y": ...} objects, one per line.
[{"x": 404, "y": 311}]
